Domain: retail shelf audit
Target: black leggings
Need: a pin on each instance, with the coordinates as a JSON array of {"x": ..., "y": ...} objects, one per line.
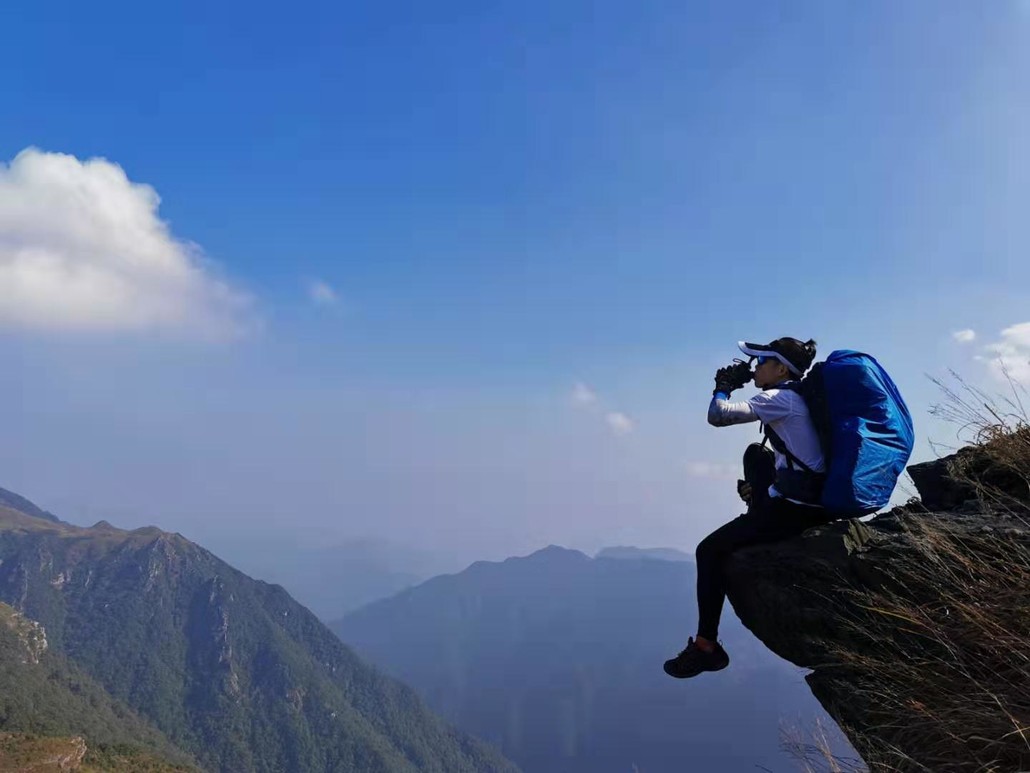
[{"x": 768, "y": 519}]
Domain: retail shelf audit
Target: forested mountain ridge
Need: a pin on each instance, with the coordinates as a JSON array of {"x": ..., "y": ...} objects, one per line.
[{"x": 230, "y": 669}]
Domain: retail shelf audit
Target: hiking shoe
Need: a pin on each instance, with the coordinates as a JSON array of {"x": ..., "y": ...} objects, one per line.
[{"x": 693, "y": 660}]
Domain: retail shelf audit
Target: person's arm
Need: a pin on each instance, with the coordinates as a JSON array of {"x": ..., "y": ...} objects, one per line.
[
  {"x": 723, "y": 413},
  {"x": 767, "y": 406}
]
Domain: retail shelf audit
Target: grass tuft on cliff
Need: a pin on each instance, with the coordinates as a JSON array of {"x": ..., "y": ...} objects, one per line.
[{"x": 946, "y": 655}]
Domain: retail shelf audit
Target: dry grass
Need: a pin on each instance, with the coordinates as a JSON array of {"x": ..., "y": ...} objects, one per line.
[
  {"x": 941, "y": 659},
  {"x": 812, "y": 749},
  {"x": 995, "y": 433},
  {"x": 937, "y": 662}
]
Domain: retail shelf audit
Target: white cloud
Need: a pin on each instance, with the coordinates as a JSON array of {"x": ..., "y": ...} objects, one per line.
[
  {"x": 322, "y": 294},
  {"x": 1011, "y": 355},
  {"x": 583, "y": 395},
  {"x": 712, "y": 470},
  {"x": 82, "y": 249},
  {"x": 964, "y": 336},
  {"x": 620, "y": 423}
]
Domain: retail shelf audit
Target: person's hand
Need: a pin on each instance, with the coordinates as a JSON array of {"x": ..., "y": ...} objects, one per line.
[
  {"x": 732, "y": 377},
  {"x": 724, "y": 381},
  {"x": 744, "y": 490}
]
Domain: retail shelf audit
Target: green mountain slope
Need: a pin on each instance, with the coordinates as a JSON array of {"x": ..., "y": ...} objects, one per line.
[
  {"x": 42, "y": 693},
  {"x": 21, "y": 504},
  {"x": 230, "y": 669}
]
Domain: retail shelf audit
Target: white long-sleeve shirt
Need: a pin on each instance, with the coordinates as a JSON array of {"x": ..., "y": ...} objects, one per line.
[{"x": 785, "y": 412}]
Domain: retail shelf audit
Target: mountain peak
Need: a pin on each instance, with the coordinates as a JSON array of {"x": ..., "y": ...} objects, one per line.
[
  {"x": 557, "y": 551},
  {"x": 23, "y": 505},
  {"x": 628, "y": 552},
  {"x": 557, "y": 657}
]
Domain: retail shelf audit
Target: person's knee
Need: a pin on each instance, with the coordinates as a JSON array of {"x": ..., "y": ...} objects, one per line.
[
  {"x": 759, "y": 466},
  {"x": 709, "y": 550}
]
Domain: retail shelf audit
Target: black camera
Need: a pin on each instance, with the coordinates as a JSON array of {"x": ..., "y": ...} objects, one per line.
[
  {"x": 739, "y": 373},
  {"x": 733, "y": 376}
]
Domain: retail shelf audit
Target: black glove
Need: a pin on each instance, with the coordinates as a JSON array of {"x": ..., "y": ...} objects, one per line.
[
  {"x": 723, "y": 383},
  {"x": 732, "y": 377}
]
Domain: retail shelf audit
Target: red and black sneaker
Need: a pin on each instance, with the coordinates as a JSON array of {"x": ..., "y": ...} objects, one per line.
[{"x": 693, "y": 660}]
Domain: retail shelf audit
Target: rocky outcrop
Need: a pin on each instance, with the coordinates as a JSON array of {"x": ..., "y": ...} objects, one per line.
[
  {"x": 31, "y": 635},
  {"x": 32, "y": 753},
  {"x": 956, "y": 481},
  {"x": 21, "y": 753},
  {"x": 809, "y": 599}
]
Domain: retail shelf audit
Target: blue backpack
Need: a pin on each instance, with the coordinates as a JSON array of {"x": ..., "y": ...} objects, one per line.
[{"x": 865, "y": 430}]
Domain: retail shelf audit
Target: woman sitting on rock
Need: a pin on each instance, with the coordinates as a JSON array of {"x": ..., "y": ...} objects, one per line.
[{"x": 771, "y": 514}]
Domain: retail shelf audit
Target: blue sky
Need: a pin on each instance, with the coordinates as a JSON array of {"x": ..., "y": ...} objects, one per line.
[{"x": 500, "y": 201}]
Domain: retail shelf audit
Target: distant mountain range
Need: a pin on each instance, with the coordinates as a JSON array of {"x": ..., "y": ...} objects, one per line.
[
  {"x": 557, "y": 659},
  {"x": 175, "y": 648},
  {"x": 656, "y": 554},
  {"x": 332, "y": 580}
]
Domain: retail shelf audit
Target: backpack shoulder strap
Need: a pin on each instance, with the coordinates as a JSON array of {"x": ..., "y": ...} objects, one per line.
[{"x": 779, "y": 445}]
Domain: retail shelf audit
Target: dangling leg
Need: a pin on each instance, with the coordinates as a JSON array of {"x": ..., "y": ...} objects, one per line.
[{"x": 774, "y": 520}]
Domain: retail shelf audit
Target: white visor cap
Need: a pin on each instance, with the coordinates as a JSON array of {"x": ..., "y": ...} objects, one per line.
[{"x": 764, "y": 350}]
